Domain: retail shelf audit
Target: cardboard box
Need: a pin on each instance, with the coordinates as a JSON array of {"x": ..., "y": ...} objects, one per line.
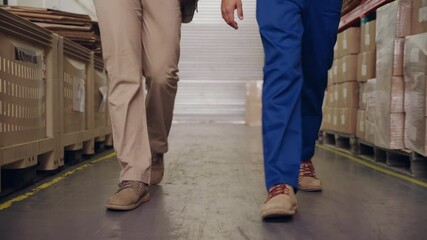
[
  {"x": 368, "y": 32},
  {"x": 419, "y": 16},
  {"x": 390, "y": 95},
  {"x": 338, "y": 46},
  {"x": 336, "y": 53},
  {"x": 336, "y": 70},
  {"x": 362, "y": 96},
  {"x": 348, "y": 69},
  {"x": 332, "y": 96},
  {"x": 335, "y": 126},
  {"x": 333, "y": 72},
  {"x": 399, "y": 45},
  {"x": 348, "y": 95},
  {"x": 371, "y": 109},
  {"x": 350, "y": 41},
  {"x": 393, "y": 20},
  {"x": 389, "y": 116},
  {"x": 347, "y": 120},
  {"x": 415, "y": 61},
  {"x": 389, "y": 129},
  {"x": 390, "y": 59},
  {"x": 254, "y": 103},
  {"x": 327, "y": 119},
  {"x": 253, "y": 114},
  {"x": 366, "y": 66},
  {"x": 330, "y": 76},
  {"x": 416, "y": 135},
  {"x": 360, "y": 125},
  {"x": 254, "y": 91}
]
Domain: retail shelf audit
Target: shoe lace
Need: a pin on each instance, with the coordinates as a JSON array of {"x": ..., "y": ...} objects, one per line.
[
  {"x": 277, "y": 190},
  {"x": 129, "y": 184},
  {"x": 307, "y": 170}
]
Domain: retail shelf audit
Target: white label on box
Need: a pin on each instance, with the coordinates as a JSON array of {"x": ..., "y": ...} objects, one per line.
[
  {"x": 344, "y": 43},
  {"x": 78, "y": 95},
  {"x": 103, "y": 90},
  {"x": 344, "y": 92},
  {"x": 335, "y": 70},
  {"x": 367, "y": 39},
  {"x": 414, "y": 57},
  {"x": 422, "y": 14},
  {"x": 364, "y": 70},
  {"x": 344, "y": 67},
  {"x": 412, "y": 133},
  {"x": 336, "y": 95},
  {"x": 335, "y": 120},
  {"x": 342, "y": 119}
]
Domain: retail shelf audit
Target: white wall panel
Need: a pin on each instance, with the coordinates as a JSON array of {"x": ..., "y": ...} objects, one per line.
[{"x": 216, "y": 62}]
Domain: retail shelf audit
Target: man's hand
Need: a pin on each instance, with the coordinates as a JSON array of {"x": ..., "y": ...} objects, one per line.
[{"x": 227, "y": 10}]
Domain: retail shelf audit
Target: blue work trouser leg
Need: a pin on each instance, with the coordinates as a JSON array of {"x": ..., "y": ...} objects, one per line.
[
  {"x": 282, "y": 25},
  {"x": 320, "y": 21},
  {"x": 281, "y": 29}
]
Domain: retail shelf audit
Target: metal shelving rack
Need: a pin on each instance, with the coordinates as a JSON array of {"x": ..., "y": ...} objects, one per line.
[{"x": 362, "y": 10}]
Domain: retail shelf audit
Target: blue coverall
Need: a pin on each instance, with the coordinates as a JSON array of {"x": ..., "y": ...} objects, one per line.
[{"x": 298, "y": 38}]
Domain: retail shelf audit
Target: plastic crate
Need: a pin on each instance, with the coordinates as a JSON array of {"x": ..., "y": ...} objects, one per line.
[
  {"x": 100, "y": 104},
  {"x": 76, "y": 78},
  {"x": 28, "y": 93}
]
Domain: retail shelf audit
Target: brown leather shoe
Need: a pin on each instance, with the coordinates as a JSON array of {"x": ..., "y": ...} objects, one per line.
[
  {"x": 281, "y": 202},
  {"x": 307, "y": 180},
  {"x": 130, "y": 195},
  {"x": 157, "y": 168}
]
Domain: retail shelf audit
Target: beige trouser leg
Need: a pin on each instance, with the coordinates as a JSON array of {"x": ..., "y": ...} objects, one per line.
[
  {"x": 161, "y": 37},
  {"x": 140, "y": 37}
]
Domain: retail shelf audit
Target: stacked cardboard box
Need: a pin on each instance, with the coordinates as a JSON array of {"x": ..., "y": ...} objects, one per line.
[
  {"x": 361, "y": 112},
  {"x": 340, "y": 111},
  {"x": 366, "y": 70},
  {"x": 370, "y": 108},
  {"x": 415, "y": 71},
  {"x": 367, "y": 57},
  {"x": 342, "y": 98},
  {"x": 77, "y": 27},
  {"x": 253, "y": 103},
  {"x": 393, "y": 24},
  {"x": 415, "y": 77}
]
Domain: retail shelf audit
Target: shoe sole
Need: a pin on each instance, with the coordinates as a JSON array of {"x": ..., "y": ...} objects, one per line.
[
  {"x": 313, "y": 189},
  {"x": 276, "y": 213},
  {"x": 130, "y": 207}
]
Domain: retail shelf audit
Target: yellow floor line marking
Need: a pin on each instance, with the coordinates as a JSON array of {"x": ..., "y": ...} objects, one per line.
[
  {"x": 54, "y": 181},
  {"x": 374, "y": 166}
]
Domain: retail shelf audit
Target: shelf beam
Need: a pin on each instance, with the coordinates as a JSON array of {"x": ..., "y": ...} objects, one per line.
[{"x": 360, "y": 11}]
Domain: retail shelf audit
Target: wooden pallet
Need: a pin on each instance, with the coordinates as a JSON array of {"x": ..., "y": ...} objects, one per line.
[
  {"x": 402, "y": 161},
  {"x": 340, "y": 141}
]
